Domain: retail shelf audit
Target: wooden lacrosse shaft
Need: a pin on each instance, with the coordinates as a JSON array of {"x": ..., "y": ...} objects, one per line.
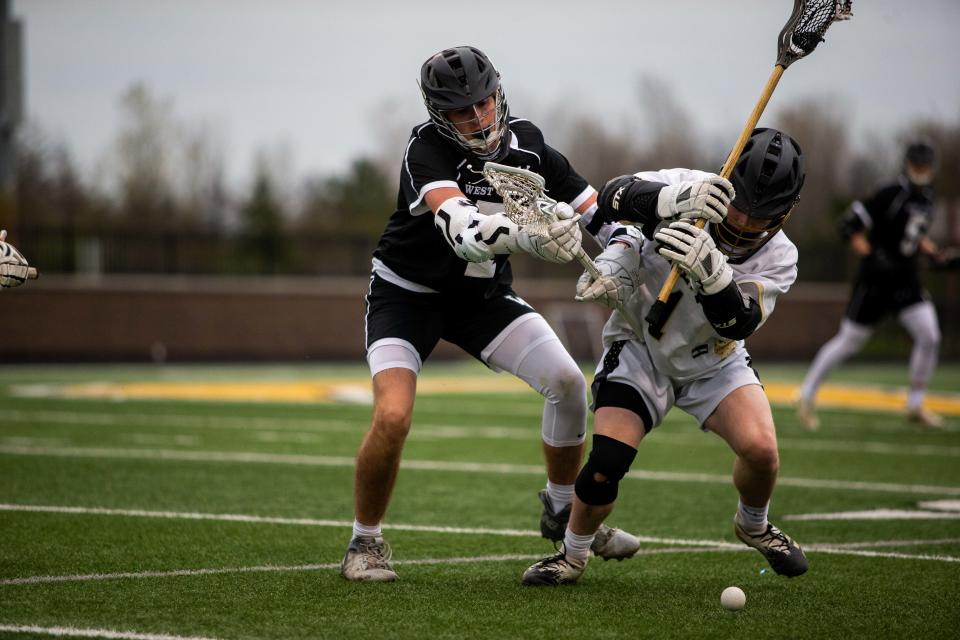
[{"x": 655, "y": 317}]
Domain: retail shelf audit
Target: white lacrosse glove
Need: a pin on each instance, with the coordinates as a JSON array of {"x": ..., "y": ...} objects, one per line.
[
  {"x": 694, "y": 251},
  {"x": 707, "y": 199},
  {"x": 619, "y": 267},
  {"x": 13, "y": 266},
  {"x": 562, "y": 242}
]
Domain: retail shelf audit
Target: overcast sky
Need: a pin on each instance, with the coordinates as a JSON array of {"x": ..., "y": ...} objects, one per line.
[{"x": 312, "y": 75}]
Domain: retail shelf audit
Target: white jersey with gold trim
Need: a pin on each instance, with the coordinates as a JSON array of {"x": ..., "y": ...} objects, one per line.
[{"x": 689, "y": 346}]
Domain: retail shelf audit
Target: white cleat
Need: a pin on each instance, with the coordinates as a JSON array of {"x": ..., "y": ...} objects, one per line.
[
  {"x": 614, "y": 544},
  {"x": 925, "y": 418},
  {"x": 807, "y": 414},
  {"x": 368, "y": 560}
]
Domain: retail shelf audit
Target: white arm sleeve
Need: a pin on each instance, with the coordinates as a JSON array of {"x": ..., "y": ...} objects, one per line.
[{"x": 474, "y": 236}]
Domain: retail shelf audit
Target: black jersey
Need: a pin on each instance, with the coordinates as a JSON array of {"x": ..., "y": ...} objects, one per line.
[
  {"x": 895, "y": 219},
  {"x": 412, "y": 248}
]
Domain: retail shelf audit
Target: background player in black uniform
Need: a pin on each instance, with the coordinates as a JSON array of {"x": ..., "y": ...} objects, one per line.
[
  {"x": 440, "y": 270},
  {"x": 887, "y": 231}
]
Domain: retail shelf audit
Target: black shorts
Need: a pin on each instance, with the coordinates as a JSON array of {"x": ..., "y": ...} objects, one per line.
[
  {"x": 422, "y": 319},
  {"x": 872, "y": 300}
]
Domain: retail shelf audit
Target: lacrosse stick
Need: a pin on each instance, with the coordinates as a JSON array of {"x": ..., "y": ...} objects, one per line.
[
  {"x": 798, "y": 38},
  {"x": 522, "y": 191},
  {"x": 32, "y": 274}
]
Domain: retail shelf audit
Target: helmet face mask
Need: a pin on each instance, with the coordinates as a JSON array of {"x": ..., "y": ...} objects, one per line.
[
  {"x": 461, "y": 90},
  {"x": 478, "y": 129},
  {"x": 767, "y": 177},
  {"x": 739, "y": 236},
  {"x": 919, "y": 162}
]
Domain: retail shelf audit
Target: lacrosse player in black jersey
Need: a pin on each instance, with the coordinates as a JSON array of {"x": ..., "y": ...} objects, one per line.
[
  {"x": 440, "y": 270},
  {"x": 887, "y": 231}
]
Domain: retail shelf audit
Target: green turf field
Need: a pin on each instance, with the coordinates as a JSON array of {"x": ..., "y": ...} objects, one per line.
[{"x": 228, "y": 519}]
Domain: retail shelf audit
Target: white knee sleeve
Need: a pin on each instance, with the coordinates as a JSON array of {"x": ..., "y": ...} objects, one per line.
[
  {"x": 391, "y": 353},
  {"x": 529, "y": 349}
]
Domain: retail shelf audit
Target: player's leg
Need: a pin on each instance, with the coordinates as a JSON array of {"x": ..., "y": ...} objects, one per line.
[
  {"x": 402, "y": 329},
  {"x": 622, "y": 418},
  {"x": 920, "y": 321},
  {"x": 529, "y": 349},
  {"x": 866, "y": 307},
  {"x": 744, "y": 420}
]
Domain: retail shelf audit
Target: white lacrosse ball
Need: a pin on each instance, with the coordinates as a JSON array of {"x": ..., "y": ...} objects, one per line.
[{"x": 733, "y": 598}]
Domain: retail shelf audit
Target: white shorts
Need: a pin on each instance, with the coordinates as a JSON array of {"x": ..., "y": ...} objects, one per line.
[{"x": 626, "y": 378}]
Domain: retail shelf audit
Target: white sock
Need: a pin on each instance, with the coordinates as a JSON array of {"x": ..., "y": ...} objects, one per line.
[
  {"x": 915, "y": 400},
  {"x": 577, "y": 547},
  {"x": 560, "y": 495},
  {"x": 361, "y": 530},
  {"x": 752, "y": 519}
]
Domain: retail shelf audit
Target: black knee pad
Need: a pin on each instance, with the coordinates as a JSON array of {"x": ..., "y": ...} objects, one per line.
[{"x": 611, "y": 459}]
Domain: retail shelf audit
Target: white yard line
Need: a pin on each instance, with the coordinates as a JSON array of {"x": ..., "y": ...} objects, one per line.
[
  {"x": 878, "y": 514},
  {"x": 307, "y": 430},
  {"x": 251, "y": 519},
  {"x": 71, "y": 632},
  {"x": 442, "y": 465},
  {"x": 877, "y": 554},
  {"x": 676, "y": 544},
  {"x": 890, "y": 543}
]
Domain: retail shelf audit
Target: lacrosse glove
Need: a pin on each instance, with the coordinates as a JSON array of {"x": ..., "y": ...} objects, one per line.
[
  {"x": 707, "y": 199},
  {"x": 561, "y": 240},
  {"x": 619, "y": 267},
  {"x": 694, "y": 252}
]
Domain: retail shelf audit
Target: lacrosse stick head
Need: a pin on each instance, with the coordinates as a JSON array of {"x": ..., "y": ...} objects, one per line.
[
  {"x": 522, "y": 193},
  {"x": 807, "y": 25}
]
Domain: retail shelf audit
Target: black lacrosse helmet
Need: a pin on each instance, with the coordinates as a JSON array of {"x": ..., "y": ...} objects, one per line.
[
  {"x": 920, "y": 152},
  {"x": 768, "y": 177},
  {"x": 459, "y": 78}
]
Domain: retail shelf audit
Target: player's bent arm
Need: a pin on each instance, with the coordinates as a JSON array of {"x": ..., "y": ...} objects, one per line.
[
  {"x": 732, "y": 314},
  {"x": 475, "y": 237},
  {"x": 648, "y": 202}
]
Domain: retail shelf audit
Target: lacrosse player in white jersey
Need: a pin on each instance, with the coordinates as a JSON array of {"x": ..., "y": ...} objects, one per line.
[
  {"x": 733, "y": 271},
  {"x": 14, "y": 268},
  {"x": 441, "y": 270}
]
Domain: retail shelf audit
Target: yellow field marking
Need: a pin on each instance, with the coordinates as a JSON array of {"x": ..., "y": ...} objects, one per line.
[
  {"x": 860, "y": 397},
  {"x": 865, "y": 397}
]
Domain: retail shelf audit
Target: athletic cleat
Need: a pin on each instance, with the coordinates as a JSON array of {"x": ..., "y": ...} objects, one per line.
[
  {"x": 807, "y": 414},
  {"x": 554, "y": 571},
  {"x": 368, "y": 559},
  {"x": 784, "y": 555},
  {"x": 614, "y": 544},
  {"x": 552, "y": 523},
  {"x": 925, "y": 418}
]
